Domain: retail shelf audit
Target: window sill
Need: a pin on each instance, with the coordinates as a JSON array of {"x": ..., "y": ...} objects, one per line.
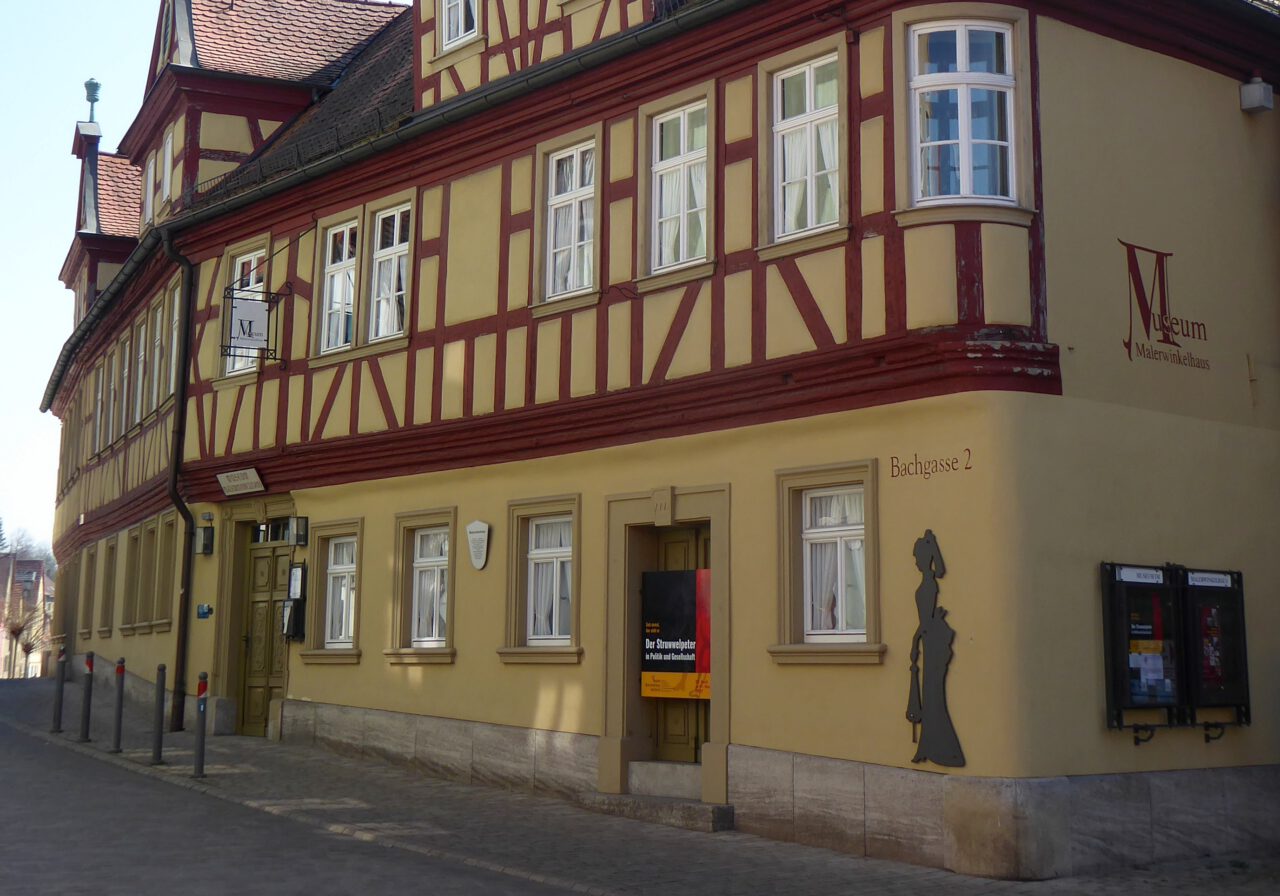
[
  {"x": 569, "y": 7},
  {"x": 104, "y": 633},
  {"x": 416, "y": 656},
  {"x": 161, "y": 625},
  {"x": 964, "y": 211},
  {"x": 675, "y": 277},
  {"x": 518, "y": 655},
  {"x": 244, "y": 377},
  {"x": 820, "y": 240},
  {"x": 472, "y": 46},
  {"x": 127, "y": 630},
  {"x": 382, "y": 346},
  {"x": 84, "y": 633},
  {"x": 331, "y": 655},
  {"x": 830, "y": 654},
  {"x": 548, "y": 307}
]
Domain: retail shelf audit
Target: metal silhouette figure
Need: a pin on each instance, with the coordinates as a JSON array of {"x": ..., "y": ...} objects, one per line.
[{"x": 927, "y": 705}]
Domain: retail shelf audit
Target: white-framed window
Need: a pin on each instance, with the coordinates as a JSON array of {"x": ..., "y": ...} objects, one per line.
[
  {"x": 806, "y": 146},
  {"x": 571, "y": 180},
  {"x": 429, "y": 614},
  {"x": 174, "y": 321},
  {"x": 835, "y": 565},
  {"x": 158, "y": 359},
  {"x": 149, "y": 190},
  {"x": 248, "y": 274},
  {"x": 139, "y": 370},
  {"x": 962, "y": 112},
  {"x": 549, "y": 600},
  {"x": 390, "y": 273},
  {"x": 459, "y": 21},
  {"x": 109, "y": 402},
  {"x": 339, "y": 286},
  {"x": 125, "y": 360},
  {"x": 97, "y": 410},
  {"x": 340, "y": 593},
  {"x": 680, "y": 187},
  {"x": 166, "y": 168}
]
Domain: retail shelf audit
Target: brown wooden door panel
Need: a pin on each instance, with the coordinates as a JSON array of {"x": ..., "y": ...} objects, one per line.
[
  {"x": 264, "y": 650},
  {"x": 682, "y": 725}
]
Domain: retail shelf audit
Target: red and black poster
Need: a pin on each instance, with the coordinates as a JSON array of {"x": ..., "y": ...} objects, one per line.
[{"x": 675, "y": 656}]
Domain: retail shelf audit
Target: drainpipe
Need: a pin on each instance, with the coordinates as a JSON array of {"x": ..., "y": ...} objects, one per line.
[{"x": 186, "y": 300}]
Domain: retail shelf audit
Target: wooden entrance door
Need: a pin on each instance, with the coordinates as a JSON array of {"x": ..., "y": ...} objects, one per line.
[
  {"x": 683, "y": 725},
  {"x": 264, "y": 646}
]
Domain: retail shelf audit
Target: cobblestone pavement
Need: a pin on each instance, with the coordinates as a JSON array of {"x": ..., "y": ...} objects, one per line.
[{"x": 530, "y": 841}]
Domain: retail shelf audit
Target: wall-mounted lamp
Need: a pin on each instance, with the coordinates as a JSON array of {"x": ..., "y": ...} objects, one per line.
[
  {"x": 297, "y": 532},
  {"x": 204, "y": 535},
  {"x": 1256, "y": 96}
]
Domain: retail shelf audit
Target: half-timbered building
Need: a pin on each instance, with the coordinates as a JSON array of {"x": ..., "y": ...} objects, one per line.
[{"x": 412, "y": 345}]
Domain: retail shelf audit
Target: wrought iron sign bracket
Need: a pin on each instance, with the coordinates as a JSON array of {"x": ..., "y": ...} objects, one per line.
[
  {"x": 1214, "y": 731},
  {"x": 1143, "y": 733},
  {"x": 233, "y": 296}
]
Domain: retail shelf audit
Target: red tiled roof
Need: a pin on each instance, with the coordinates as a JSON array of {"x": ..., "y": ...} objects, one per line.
[
  {"x": 292, "y": 40},
  {"x": 119, "y": 192}
]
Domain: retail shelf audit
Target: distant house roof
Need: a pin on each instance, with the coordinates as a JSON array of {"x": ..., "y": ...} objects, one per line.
[
  {"x": 119, "y": 192},
  {"x": 307, "y": 41},
  {"x": 374, "y": 94}
]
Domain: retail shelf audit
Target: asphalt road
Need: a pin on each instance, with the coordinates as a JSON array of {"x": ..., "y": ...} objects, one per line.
[{"x": 71, "y": 824}]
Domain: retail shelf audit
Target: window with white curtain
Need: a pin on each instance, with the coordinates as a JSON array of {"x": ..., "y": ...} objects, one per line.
[
  {"x": 962, "y": 87},
  {"x": 123, "y": 404},
  {"x": 139, "y": 370},
  {"x": 835, "y": 576},
  {"x": 459, "y": 21},
  {"x": 339, "y": 287},
  {"x": 158, "y": 373},
  {"x": 390, "y": 273},
  {"x": 248, "y": 273},
  {"x": 430, "y": 587},
  {"x": 806, "y": 146},
  {"x": 571, "y": 182},
  {"x": 550, "y": 580},
  {"x": 174, "y": 321},
  {"x": 680, "y": 187},
  {"x": 340, "y": 593}
]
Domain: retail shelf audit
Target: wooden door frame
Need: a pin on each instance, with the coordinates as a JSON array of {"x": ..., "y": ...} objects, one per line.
[
  {"x": 626, "y": 737},
  {"x": 235, "y": 524}
]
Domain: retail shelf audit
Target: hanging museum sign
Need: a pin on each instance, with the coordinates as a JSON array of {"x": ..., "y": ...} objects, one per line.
[
  {"x": 249, "y": 333},
  {"x": 675, "y": 613}
]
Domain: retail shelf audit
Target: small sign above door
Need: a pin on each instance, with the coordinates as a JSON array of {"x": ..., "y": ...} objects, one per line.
[{"x": 241, "y": 482}]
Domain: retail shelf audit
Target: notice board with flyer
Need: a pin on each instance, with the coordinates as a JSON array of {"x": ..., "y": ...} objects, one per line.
[
  {"x": 1175, "y": 642},
  {"x": 675, "y": 613}
]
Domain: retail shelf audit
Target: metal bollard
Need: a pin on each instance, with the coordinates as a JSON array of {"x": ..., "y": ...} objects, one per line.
[
  {"x": 157, "y": 742},
  {"x": 87, "y": 705},
  {"x": 202, "y": 699},
  {"x": 115, "y": 737},
  {"x": 57, "y": 695}
]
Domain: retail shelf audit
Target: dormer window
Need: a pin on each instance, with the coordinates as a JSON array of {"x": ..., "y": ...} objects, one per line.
[{"x": 459, "y": 21}]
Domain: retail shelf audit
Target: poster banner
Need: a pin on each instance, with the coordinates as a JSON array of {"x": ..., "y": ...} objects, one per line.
[{"x": 675, "y": 657}]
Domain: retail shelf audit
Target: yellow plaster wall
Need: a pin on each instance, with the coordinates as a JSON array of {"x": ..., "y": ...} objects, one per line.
[
  {"x": 931, "y": 276},
  {"x": 871, "y": 62},
  {"x": 737, "y": 319},
  {"x": 693, "y": 353},
  {"x": 228, "y": 133},
  {"x": 738, "y": 201},
  {"x": 517, "y": 343},
  {"x": 209, "y": 169},
  {"x": 486, "y": 356},
  {"x": 824, "y": 274},
  {"x": 582, "y": 348},
  {"x": 474, "y": 207},
  {"x": 785, "y": 330},
  {"x": 547, "y": 374},
  {"x": 619, "y": 346},
  {"x": 739, "y": 116},
  {"x": 1006, "y": 275},
  {"x": 452, "y": 376},
  {"x": 873, "y": 292},
  {"x": 1201, "y": 184}
]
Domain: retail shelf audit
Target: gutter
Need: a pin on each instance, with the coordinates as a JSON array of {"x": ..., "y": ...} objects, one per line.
[
  {"x": 471, "y": 103},
  {"x": 187, "y": 302}
]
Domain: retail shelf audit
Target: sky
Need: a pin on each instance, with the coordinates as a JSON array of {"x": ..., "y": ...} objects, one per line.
[{"x": 52, "y": 49}]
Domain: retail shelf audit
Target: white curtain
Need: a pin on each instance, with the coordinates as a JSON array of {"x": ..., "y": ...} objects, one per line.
[
  {"x": 695, "y": 238},
  {"x": 795, "y": 170},
  {"x": 840, "y": 509},
  {"x": 668, "y": 216},
  {"x": 543, "y": 594},
  {"x": 823, "y": 573},
  {"x": 827, "y": 183},
  {"x": 564, "y": 615},
  {"x": 855, "y": 600},
  {"x": 588, "y": 177}
]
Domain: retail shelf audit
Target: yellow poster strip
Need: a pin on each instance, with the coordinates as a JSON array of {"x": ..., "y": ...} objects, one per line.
[{"x": 681, "y": 685}]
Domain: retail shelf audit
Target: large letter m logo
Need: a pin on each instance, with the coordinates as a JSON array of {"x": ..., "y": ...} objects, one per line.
[{"x": 1151, "y": 301}]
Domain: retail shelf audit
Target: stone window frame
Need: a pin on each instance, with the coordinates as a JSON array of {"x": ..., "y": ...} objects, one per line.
[
  {"x": 792, "y": 484},
  {"x": 317, "y": 598},
  {"x": 520, "y": 514},
  {"x": 110, "y": 561},
  {"x": 402, "y": 652},
  {"x": 88, "y": 591}
]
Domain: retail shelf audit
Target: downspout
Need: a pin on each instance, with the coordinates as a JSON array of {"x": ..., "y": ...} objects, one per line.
[{"x": 186, "y": 300}]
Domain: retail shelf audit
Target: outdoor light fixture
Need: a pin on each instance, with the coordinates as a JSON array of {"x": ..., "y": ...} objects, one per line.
[
  {"x": 297, "y": 532},
  {"x": 1256, "y": 96},
  {"x": 204, "y": 535}
]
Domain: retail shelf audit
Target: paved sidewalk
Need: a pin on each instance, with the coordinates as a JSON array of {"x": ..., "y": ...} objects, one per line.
[{"x": 542, "y": 839}]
